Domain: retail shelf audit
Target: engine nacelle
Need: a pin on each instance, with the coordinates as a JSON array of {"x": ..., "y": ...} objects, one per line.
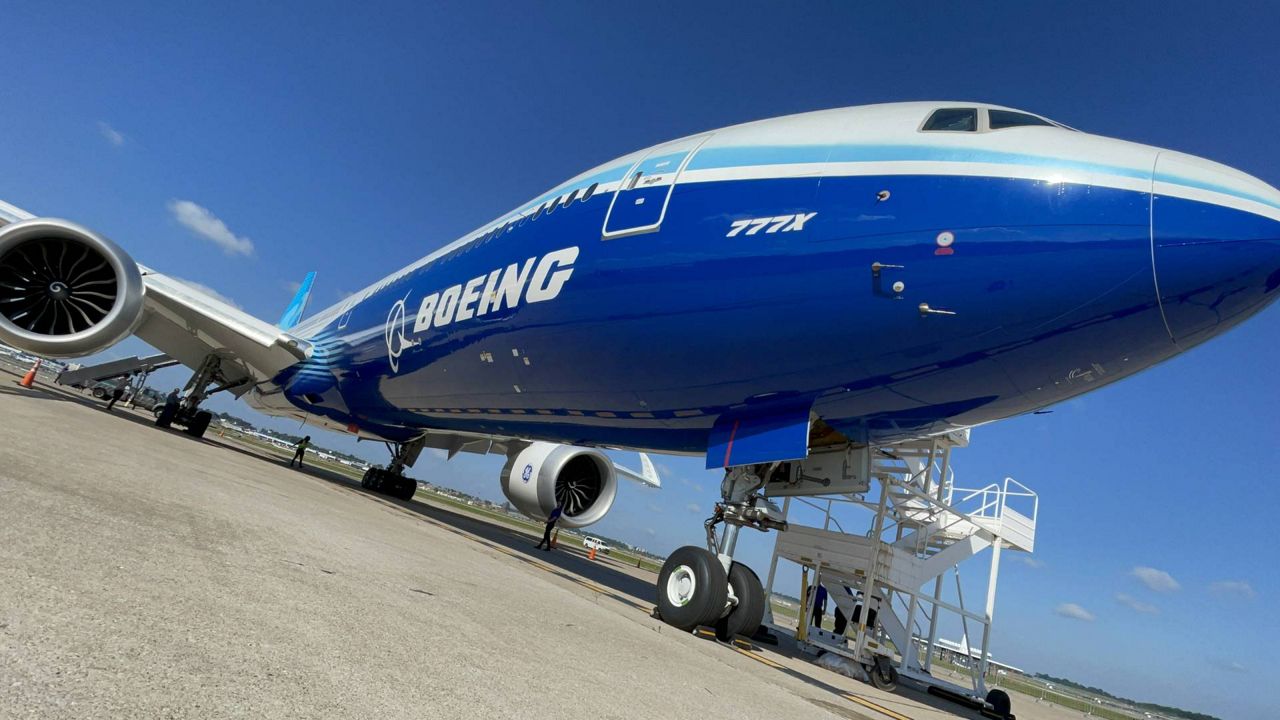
[
  {"x": 543, "y": 475},
  {"x": 64, "y": 290}
]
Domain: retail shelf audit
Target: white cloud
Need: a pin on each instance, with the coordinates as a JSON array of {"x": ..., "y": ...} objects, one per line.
[
  {"x": 653, "y": 508},
  {"x": 205, "y": 224},
  {"x": 1136, "y": 605},
  {"x": 1157, "y": 580},
  {"x": 112, "y": 135},
  {"x": 1234, "y": 588},
  {"x": 201, "y": 287},
  {"x": 651, "y": 532},
  {"x": 693, "y": 508},
  {"x": 1029, "y": 561},
  {"x": 293, "y": 286},
  {"x": 1229, "y": 665},
  {"x": 1074, "y": 612}
]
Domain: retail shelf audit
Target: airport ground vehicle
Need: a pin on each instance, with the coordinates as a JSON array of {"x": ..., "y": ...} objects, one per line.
[{"x": 595, "y": 543}]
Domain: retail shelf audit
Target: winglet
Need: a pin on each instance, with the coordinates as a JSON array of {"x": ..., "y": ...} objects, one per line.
[
  {"x": 293, "y": 314},
  {"x": 647, "y": 476}
]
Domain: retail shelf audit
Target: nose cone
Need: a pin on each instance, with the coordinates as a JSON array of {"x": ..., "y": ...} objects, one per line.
[{"x": 1215, "y": 245}]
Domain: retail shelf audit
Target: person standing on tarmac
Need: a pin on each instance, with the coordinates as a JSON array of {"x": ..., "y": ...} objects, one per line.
[
  {"x": 171, "y": 403},
  {"x": 301, "y": 450},
  {"x": 551, "y": 525},
  {"x": 117, "y": 392}
]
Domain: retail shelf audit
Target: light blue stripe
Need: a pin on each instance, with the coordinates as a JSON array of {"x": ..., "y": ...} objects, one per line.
[{"x": 747, "y": 156}]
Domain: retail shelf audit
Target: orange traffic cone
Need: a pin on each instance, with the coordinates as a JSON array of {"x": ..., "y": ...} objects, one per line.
[
  {"x": 592, "y": 555},
  {"x": 30, "y": 377}
]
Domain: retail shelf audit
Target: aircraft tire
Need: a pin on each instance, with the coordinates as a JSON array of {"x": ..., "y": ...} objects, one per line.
[
  {"x": 404, "y": 488},
  {"x": 199, "y": 423},
  {"x": 1000, "y": 702},
  {"x": 692, "y": 588},
  {"x": 364, "y": 479},
  {"x": 744, "y": 619}
]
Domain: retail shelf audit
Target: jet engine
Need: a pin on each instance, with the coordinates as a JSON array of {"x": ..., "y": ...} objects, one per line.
[
  {"x": 543, "y": 475},
  {"x": 64, "y": 290}
]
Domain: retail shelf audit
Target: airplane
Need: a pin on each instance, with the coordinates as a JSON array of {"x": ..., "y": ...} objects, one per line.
[{"x": 760, "y": 295}]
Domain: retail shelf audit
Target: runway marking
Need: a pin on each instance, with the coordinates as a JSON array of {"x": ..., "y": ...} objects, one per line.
[{"x": 878, "y": 708}]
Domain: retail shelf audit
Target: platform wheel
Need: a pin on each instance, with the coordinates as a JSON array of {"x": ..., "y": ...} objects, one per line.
[
  {"x": 883, "y": 675},
  {"x": 692, "y": 588}
]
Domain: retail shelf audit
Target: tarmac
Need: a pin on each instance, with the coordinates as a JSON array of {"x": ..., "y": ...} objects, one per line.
[{"x": 144, "y": 573}]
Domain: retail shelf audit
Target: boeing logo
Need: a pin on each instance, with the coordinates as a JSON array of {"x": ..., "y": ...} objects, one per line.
[
  {"x": 394, "y": 334},
  {"x": 533, "y": 280}
]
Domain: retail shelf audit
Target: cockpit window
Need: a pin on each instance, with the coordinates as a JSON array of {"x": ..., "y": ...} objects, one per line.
[
  {"x": 952, "y": 120},
  {"x": 1001, "y": 119}
]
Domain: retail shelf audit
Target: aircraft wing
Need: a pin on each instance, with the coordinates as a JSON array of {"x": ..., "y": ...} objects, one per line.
[
  {"x": 166, "y": 313},
  {"x": 188, "y": 325}
]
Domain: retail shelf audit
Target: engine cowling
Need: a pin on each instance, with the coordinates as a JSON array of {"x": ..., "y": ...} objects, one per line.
[
  {"x": 65, "y": 291},
  {"x": 543, "y": 475}
]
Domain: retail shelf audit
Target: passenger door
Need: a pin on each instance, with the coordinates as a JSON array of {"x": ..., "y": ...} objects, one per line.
[{"x": 640, "y": 202}]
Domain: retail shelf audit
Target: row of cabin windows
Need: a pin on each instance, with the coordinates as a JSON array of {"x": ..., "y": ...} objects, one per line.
[
  {"x": 545, "y": 209},
  {"x": 966, "y": 120}
]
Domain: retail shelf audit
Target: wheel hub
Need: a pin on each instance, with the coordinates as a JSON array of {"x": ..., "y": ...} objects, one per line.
[{"x": 681, "y": 585}]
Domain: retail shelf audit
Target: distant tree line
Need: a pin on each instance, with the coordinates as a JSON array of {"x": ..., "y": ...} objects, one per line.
[{"x": 1151, "y": 707}]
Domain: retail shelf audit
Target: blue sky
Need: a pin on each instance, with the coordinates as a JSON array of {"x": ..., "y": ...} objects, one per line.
[{"x": 240, "y": 147}]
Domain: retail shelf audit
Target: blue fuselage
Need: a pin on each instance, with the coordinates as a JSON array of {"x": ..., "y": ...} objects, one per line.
[{"x": 1057, "y": 288}]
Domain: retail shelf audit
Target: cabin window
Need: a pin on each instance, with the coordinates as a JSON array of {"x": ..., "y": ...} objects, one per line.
[
  {"x": 952, "y": 120},
  {"x": 1001, "y": 119},
  {"x": 569, "y": 200},
  {"x": 591, "y": 190}
]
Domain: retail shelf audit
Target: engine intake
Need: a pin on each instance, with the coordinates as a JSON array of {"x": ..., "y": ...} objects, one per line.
[
  {"x": 64, "y": 290},
  {"x": 544, "y": 475}
]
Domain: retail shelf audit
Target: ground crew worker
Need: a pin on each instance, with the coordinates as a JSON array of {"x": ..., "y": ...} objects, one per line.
[
  {"x": 551, "y": 525},
  {"x": 301, "y": 450},
  {"x": 117, "y": 392}
]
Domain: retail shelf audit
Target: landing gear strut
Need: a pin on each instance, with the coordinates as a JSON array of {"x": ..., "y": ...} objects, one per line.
[
  {"x": 706, "y": 586},
  {"x": 188, "y": 413},
  {"x": 391, "y": 481}
]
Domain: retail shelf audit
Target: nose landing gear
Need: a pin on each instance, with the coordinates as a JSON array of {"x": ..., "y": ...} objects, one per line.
[{"x": 706, "y": 586}]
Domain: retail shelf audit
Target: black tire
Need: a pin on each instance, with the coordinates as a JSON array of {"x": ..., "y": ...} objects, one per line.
[
  {"x": 692, "y": 588},
  {"x": 157, "y": 410},
  {"x": 364, "y": 480},
  {"x": 100, "y": 393},
  {"x": 165, "y": 418},
  {"x": 883, "y": 675},
  {"x": 404, "y": 488},
  {"x": 744, "y": 619},
  {"x": 1000, "y": 702},
  {"x": 199, "y": 423}
]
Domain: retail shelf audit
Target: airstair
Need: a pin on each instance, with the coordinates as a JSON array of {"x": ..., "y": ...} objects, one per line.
[{"x": 923, "y": 527}]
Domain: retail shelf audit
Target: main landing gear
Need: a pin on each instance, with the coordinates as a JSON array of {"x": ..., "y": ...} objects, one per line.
[
  {"x": 706, "y": 586},
  {"x": 392, "y": 481},
  {"x": 188, "y": 414}
]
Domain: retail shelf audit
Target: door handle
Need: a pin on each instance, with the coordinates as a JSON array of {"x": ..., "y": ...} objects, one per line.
[{"x": 926, "y": 310}]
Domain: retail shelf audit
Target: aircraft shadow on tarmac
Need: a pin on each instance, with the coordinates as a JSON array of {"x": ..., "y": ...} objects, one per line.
[
  {"x": 41, "y": 391},
  {"x": 573, "y": 565},
  {"x": 570, "y": 564}
]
